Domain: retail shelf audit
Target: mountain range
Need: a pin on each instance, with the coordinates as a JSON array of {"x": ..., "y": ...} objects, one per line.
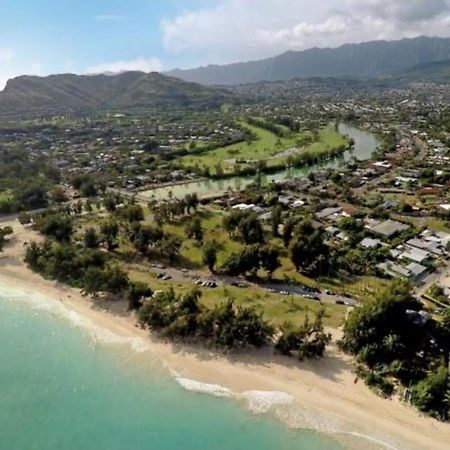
[
  {"x": 366, "y": 60},
  {"x": 423, "y": 59},
  {"x": 32, "y": 94}
]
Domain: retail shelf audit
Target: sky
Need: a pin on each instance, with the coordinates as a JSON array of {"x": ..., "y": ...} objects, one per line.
[{"x": 41, "y": 37}]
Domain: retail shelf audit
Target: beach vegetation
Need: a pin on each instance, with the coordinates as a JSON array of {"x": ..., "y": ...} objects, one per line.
[
  {"x": 394, "y": 338},
  {"x": 308, "y": 340}
]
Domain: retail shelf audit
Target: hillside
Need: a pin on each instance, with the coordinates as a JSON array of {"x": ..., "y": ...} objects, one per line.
[
  {"x": 434, "y": 71},
  {"x": 31, "y": 94},
  {"x": 366, "y": 60}
]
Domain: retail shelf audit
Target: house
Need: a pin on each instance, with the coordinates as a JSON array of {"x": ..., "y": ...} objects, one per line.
[
  {"x": 394, "y": 270},
  {"x": 370, "y": 243},
  {"x": 417, "y": 271},
  {"x": 389, "y": 228},
  {"x": 327, "y": 212},
  {"x": 415, "y": 254},
  {"x": 429, "y": 246}
]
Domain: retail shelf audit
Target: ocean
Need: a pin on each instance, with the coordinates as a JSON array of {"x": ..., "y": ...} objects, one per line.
[{"x": 64, "y": 386}]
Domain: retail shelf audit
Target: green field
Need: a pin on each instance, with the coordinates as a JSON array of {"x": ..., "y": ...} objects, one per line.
[
  {"x": 276, "y": 308},
  {"x": 265, "y": 147}
]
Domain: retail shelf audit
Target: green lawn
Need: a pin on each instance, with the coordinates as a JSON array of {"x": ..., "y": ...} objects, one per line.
[
  {"x": 266, "y": 147},
  {"x": 191, "y": 253},
  {"x": 275, "y": 307}
]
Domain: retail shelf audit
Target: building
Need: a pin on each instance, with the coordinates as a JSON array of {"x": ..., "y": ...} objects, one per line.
[
  {"x": 370, "y": 243},
  {"x": 389, "y": 228},
  {"x": 414, "y": 254},
  {"x": 417, "y": 271}
]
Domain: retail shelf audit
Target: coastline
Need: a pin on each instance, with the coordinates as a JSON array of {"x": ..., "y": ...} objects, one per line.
[{"x": 318, "y": 394}]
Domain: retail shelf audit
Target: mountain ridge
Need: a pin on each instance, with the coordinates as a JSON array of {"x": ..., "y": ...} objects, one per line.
[
  {"x": 128, "y": 89},
  {"x": 363, "y": 60}
]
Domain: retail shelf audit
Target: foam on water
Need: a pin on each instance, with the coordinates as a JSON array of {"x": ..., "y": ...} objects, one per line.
[
  {"x": 98, "y": 334},
  {"x": 260, "y": 402},
  {"x": 204, "y": 388}
]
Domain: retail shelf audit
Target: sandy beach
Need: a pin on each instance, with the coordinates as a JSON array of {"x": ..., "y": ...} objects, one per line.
[{"x": 323, "y": 392}]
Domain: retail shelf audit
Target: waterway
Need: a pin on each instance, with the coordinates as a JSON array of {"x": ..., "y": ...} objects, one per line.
[{"x": 365, "y": 144}]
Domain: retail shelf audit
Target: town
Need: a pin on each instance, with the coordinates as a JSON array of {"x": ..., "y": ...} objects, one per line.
[{"x": 300, "y": 198}]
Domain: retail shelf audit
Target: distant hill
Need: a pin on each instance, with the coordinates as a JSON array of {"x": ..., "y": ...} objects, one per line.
[
  {"x": 31, "y": 94},
  {"x": 434, "y": 71},
  {"x": 366, "y": 60}
]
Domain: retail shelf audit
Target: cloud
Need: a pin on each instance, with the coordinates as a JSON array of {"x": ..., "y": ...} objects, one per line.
[
  {"x": 139, "y": 64},
  {"x": 235, "y": 30},
  {"x": 35, "y": 68},
  {"x": 400, "y": 11},
  {"x": 6, "y": 54},
  {"x": 296, "y": 36}
]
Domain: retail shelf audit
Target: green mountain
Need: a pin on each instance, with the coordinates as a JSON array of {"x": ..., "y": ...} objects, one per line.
[
  {"x": 367, "y": 60},
  {"x": 58, "y": 93},
  {"x": 434, "y": 71}
]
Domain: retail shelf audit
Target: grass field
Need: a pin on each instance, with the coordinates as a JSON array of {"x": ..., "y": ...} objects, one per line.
[
  {"x": 191, "y": 257},
  {"x": 265, "y": 147},
  {"x": 276, "y": 308}
]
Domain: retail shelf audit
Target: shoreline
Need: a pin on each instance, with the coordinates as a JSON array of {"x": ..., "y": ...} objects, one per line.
[{"x": 320, "y": 395}]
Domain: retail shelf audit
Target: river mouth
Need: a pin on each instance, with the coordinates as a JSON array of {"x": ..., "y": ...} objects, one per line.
[{"x": 365, "y": 144}]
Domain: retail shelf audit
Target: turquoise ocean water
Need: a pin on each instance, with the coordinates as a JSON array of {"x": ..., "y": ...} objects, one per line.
[{"x": 60, "y": 388}]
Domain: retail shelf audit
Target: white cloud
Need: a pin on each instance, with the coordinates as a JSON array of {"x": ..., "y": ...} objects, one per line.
[
  {"x": 6, "y": 54},
  {"x": 236, "y": 30},
  {"x": 139, "y": 64}
]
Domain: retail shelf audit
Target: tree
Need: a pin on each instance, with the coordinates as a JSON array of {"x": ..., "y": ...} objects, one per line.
[
  {"x": 88, "y": 189},
  {"x": 251, "y": 230},
  {"x": 276, "y": 219},
  {"x": 270, "y": 259},
  {"x": 307, "y": 249},
  {"x": 94, "y": 279},
  {"x": 170, "y": 246},
  {"x": 245, "y": 225},
  {"x": 191, "y": 201},
  {"x": 132, "y": 213},
  {"x": 194, "y": 230},
  {"x": 137, "y": 292},
  {"x": 147, "y": 236},
  {"x": 116, "y": 279},
  {"x": 209, "y": 257},
  {"x": 58, "y": 195},
  {"x": 307, "y": 341},
  {"x": 247, "y": 261},
  {"x": 109, "y": 230},
  {"x": 380, "y": 331},
  {"x": 432, "y": 394},
  {"x": 110, "y": 203},
  {"x": 91, "y": 238},
  {"x": 57, "y": 226}
]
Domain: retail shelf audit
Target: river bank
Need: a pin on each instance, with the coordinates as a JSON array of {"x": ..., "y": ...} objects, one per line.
[
  {"x": 320, "y": 395},
  {"x": 364, "y": 145}
]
